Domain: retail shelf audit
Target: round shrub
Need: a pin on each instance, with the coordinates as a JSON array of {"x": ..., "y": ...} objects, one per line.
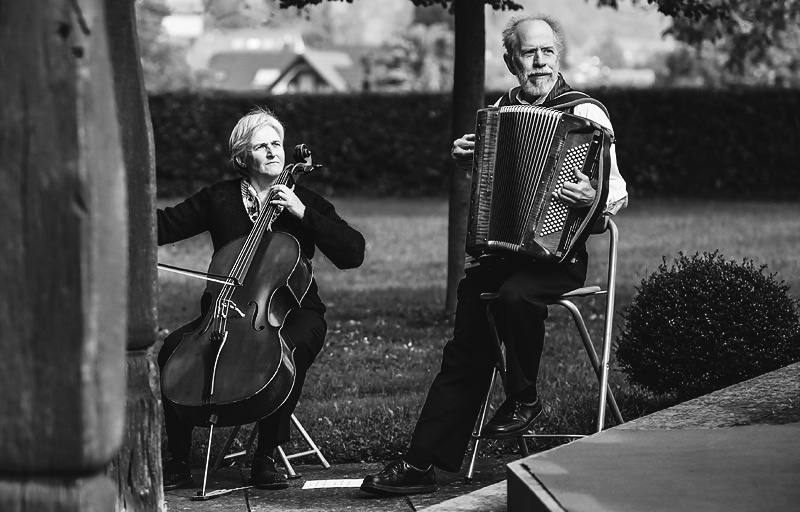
[{"x": 705, "y": 323}]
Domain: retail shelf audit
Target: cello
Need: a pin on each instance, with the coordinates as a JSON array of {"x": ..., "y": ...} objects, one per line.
[{"x": 236, "y": 367}]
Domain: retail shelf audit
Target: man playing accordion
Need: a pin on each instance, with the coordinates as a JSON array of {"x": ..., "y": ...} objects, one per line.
[{"x": 534, "y": 46}]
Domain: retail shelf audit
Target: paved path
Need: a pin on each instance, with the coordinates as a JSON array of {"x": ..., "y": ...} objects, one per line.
[{"x": 296, "y": 498}]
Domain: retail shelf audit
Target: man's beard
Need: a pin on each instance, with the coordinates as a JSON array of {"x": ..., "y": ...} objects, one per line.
[{"x": 536, "y": 89}]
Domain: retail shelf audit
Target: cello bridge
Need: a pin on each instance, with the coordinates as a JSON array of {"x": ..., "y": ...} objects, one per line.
[{"x": 228, "y": 305}]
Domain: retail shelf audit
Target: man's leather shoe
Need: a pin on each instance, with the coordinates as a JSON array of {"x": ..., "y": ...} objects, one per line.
[
  {"x": 264, "y": 474},
  {"x": 400, "y": 478},
  {"x": 512, "y": 419},
  {"x": 176, "y": 473}
]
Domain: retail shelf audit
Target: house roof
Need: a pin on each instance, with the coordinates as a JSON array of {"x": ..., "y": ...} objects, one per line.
[
  {"x": 329, "y": 65},
  {"x": 240, "y": 67},
  {"x": 239, "y": 40}
]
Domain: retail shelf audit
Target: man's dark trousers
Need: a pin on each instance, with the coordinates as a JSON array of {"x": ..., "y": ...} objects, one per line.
[{"x": 445, "y": 425}]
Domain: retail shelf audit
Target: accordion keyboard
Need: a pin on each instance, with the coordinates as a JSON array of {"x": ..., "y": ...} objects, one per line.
[{"x": 556, "y": 215}]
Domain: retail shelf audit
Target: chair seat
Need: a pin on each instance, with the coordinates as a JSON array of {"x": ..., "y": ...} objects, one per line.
[
  {"x": 583, "y": 292},
  {"x": 578, "y": 292}
]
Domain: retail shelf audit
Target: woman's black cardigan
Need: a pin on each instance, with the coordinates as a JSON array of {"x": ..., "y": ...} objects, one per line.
[{"x": 219, "y": 209}]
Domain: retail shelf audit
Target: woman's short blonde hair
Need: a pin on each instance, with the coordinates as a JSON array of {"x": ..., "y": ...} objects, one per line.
[{"x": 242, "y": 133}]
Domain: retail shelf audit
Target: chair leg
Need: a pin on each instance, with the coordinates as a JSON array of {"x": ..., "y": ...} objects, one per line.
[
  {"x": 310, "y": 442},
  {"x": 288, "y": 465},
  {"x": 227, "y": 446},
  {"x": 600, "y": 371},
  {"x": 224, "y": 455},
  {"x": 523, "y": 446},
  {"x": 500, "y": 358},
  {"x": 314, "y": 449},
  {"x": 608, "y": 325},
  {"x": 476, "y": 434}
]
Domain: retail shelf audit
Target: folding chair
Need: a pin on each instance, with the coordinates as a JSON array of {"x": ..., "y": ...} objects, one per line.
[
  {"x": 313, "y": 449},
  {"x": 604, "y": 225}
]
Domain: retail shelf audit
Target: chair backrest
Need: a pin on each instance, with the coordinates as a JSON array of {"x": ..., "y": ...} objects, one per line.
[
  {"x": 605, "y": 224},
  {"x": 601, "y": 225},
  {"x": 613, "y": 233},
  {"x": 610, "y": 227}
]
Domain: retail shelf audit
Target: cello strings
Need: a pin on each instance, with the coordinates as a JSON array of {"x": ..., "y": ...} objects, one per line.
[{"x": 246, "y": 255}]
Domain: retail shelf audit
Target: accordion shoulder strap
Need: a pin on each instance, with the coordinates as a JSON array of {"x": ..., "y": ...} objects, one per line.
[
  {"x": 564, "y": 101},
  {"x": 571, "y": 99}
]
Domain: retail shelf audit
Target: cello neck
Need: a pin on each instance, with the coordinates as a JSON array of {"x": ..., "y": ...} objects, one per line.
[
  {"x": 270, "y": 212},
  {"x": 263, "y": 223}
]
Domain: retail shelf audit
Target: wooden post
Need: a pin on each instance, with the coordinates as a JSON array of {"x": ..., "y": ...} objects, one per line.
[
  {"x": 137, "y": 468},
  {"x": 63, "y": 298}
]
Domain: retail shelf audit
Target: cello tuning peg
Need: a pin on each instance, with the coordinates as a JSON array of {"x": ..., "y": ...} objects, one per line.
[
  {"x": 305, "y": 168},
  {"x": 301, "y": 153}
]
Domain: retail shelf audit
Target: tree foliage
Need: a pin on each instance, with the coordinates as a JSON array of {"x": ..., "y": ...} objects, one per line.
[
  {"x": 419, "y": 60},
  {"x": 733, "y": 41},
  {"x": 496, "y": 4},
  {"x": 233, "y": 14},
  {"x": 688, "y": 9},
  {"x": 164, "y": 64},
  {"x": 693, "y": 9},
  {"x": 754, "y": 42}
]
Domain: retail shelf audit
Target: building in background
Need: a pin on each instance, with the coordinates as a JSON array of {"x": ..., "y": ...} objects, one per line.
[
  {"x": 283, "y": 71},
  {"x": 380, "y": 45},
  {"x": 267, "y": 59}
]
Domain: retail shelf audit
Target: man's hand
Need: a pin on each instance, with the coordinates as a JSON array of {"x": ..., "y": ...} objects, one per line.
[
  {"x": 577, "y": 195},
  {"x": 463, "y": 150}
]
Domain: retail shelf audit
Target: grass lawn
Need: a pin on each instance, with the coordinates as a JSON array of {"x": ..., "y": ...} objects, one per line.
[{"x": 386, "y": 327}]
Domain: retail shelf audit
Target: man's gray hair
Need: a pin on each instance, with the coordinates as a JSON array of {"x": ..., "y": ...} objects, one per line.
[{"x": 511, "y": 38}]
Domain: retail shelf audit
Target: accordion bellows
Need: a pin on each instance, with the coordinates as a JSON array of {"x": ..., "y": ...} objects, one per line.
[{"x": 522, "y": 154}]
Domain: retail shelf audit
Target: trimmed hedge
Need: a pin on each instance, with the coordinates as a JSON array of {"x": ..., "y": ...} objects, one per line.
[
  {"x": 670, "y": 142},
  {"x": 698, "y": 143},
  {"x": 371, "y": 145},
  {"x": 705, "y": 323}
]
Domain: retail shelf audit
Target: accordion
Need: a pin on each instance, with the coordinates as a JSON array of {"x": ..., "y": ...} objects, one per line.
[{"x": 522, "y": 154}]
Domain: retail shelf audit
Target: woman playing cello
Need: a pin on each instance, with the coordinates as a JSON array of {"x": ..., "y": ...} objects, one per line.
[{"x": 228, "y": 210}]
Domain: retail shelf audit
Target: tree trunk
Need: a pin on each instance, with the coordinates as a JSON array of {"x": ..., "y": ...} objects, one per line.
[
  {"x": 468, "y": 97},
  {"x": 137, "y": 468},
  {"x": 63, "y": 301}
]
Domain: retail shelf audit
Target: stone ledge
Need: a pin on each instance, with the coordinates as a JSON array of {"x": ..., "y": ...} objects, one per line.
[
  {"x": 686, "y": 457},
  {"x": 488, "y": 499}
]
